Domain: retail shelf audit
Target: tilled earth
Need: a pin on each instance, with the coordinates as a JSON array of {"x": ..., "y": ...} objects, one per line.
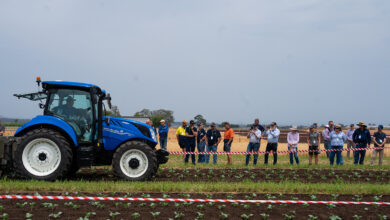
[
  {"x": 254, "y": 175},
  {"x": 57, "y": 209}
]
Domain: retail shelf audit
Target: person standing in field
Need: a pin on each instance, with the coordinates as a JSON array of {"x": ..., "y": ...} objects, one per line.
[
  {"x": 362, "y": 138},
  {"x": 2, "y": 129},
  {"x": 150, "y": 123},
  {"x": 201, "y": 140},
  {"x": 313, "y": 140},
  {"x": 257, "y": 124},
  {"x": 379, "y": 141},
  {"x": 337, "y": 140},
  {"x": 213, "y": 138},
  {"x": 227, "y": 141},
  {"x": 326, "y": 139},
  {"x": 350, "y": 143},
  {"x": 254, "y": 136},
  {"x": 191, "y": 133},
  {"x": 293, "y": 140},
  {"x": 181, "y": 136},
  {"x": 273, "y": 138},
  {"x": 163, "y": 134},
  {"x": 326, "y": 135}
]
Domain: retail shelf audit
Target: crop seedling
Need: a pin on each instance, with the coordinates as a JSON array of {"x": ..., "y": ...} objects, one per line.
[
  {"x": 264, "y": 216},
  {"x": 142, "y": 204},
  {"x": 28, "y": 216},
  {"x": 245, "y": 216},
  {"x": 356, "y": 217},
  {"x": 178, "y": 215},
  {"x": 1, "y": 208},
  {"x": 4, "y": 216},
  {"x": 210, "y": 204},
  {"x": 331, "y": 205},
  {"x": 335, "y": 217},
  {"x": 223, "y": 215},
  {"x": 335, "y": 196},
  {"x": 269, "y": 207},
  {"x": 288, "y": 217},
  {"x": 97, "y": 205},
  {"x": 126, "y": 205},
  {"x": 116, "y": 204},
  {"x": 357, "y": 198},
  {"x": 114, "y": 214},
  {"x": 312, "y": 217},
  {"x": 200, "y": 215},
  {"x": 247, "y": 206},
  {"x": 55, "y": 215},
  {"x": 220, "y": 207},
  {"x": 153, "y": 205},
  {"x": 377, "y": 198},
  {"x": 21, "y": 205},
  {"x": 135, "y": 215},
  {"x": 382, "y": 217},
  {"x": 200, "y": 207},
  {"x": 155, "y": 214},
  {"x": 177, "y": 205},
  {"x": 305, "y": 204},
  {"x": 49, "y": 205},
  {"x": 313, "y": 197}
]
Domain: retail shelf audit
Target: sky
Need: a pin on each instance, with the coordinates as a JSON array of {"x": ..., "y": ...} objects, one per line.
[{"x": 293, "y": 62}]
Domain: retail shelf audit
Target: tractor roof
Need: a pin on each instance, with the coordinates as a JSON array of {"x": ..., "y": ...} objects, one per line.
[{"x": 66, "y": 83}]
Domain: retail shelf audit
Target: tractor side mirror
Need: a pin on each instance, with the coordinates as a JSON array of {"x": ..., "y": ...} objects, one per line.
[
  {"x": 41, "y": 105},
  {"x": 108, "y": 97}
]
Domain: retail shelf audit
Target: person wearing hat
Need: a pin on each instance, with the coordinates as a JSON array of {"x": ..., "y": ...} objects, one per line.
[
  {"x": 379, "y": 142},
  {"x": 313, "y": 140},
  {"x": 228, "y": 140},
  {"x": 181, "y": 136},
  {"x": 201, "y": 140},
  {"x": 362, "y": 138},
  {"x": 163, "y": 130},
  {"x": 191, "y": 133},
  {"x": 213, "y": 138},
  {"x": 293, "y": 140},
  {"x": 337, "y": 139},
  {"x": 349, "y": 135},
  {"x": 326, "y": 135}
]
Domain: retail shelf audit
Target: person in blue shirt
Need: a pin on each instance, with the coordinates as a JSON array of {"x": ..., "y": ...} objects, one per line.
[
  {"x": 191, "y": 133},
  {"x": 163, "y": 134},
  {"x": 337, "y": 139},
  {"x": 362, "y": 138},
  {"x": 201, "y": 140}
]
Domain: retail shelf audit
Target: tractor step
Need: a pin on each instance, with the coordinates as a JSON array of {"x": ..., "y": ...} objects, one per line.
[
  {"x": 86, "y": 156},
  {"x": 7, "y": 147}
]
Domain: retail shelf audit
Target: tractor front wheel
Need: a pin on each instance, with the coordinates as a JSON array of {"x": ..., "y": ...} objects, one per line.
[
  {"x": 135, "y": 161},
  {"x": 43, "y": 154}
]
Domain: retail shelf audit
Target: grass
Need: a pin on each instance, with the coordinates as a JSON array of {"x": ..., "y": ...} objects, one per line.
[{"x": 15, "y": 186}]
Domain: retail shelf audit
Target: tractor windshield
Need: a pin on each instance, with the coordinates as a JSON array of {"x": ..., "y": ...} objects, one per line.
[{"x": 74, "y": 107}]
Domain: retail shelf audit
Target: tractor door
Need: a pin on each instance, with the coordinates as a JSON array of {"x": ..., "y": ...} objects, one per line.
[{"x": 75, "y": 108}]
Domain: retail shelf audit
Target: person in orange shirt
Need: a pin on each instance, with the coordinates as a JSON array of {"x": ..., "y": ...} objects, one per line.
[{"x": 227, "y": 140}]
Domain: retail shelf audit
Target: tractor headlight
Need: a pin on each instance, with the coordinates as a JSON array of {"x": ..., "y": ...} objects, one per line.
[{"x": 153, "y": 134}]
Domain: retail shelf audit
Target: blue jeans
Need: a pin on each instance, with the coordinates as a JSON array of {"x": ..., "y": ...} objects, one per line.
[
  {"x": 201, "y": 148},
  {"x": 359, "y": 155},
  {"x": 212, "y": 148},
  {"x": 252, "y": 147},
  {"x": 327, "y": 146},
  {"x": 339, "y": 156},
  {"x": 293, "y": 155},
  {"x": 163, "y": 143},
  {"x": 190, "y": 147}
]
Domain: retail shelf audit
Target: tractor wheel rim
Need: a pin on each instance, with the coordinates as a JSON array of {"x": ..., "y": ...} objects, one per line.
[
  {"x": 127, "y": 163},
  {"x": 41, "y": 157}
]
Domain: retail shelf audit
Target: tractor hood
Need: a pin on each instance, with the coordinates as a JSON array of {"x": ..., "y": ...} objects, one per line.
[{"x": 131, "y": 127}]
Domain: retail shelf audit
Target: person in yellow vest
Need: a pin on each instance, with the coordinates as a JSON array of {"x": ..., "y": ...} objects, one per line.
[{"x": 181, "y": 136}]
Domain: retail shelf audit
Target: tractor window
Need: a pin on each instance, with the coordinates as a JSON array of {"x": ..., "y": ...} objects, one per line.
[{"x": 74, "y": 107}]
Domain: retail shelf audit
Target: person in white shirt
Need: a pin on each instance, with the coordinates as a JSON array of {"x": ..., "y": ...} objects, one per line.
[
  {"x": 293, "y": 140},
  {"x": 254, "y": 136}
]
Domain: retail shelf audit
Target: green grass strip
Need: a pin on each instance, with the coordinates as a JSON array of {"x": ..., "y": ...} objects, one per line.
[{"x": 17, "y": 186}]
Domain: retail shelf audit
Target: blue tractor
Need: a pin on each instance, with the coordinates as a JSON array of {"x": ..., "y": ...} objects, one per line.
[{"x": 74, "y": 132}]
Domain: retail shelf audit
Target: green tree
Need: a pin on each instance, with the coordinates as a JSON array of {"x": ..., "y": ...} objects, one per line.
[
  {"x": 167, "y": 115},
  {"x": 200, "y": 119}
]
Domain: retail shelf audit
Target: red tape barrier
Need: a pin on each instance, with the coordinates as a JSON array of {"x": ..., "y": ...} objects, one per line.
[
  {"x": 279, "y": 152},
  {"x": 88, "y": 198}
]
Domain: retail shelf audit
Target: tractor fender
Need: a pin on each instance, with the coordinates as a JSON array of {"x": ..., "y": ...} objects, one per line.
[{"x": 46, "y": 120}]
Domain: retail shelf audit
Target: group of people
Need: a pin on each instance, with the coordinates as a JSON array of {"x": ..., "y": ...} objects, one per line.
[{"x": 190, "y": 137}]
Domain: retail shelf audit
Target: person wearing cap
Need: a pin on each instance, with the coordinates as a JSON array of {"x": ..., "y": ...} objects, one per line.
[
  {"x": 181, "y": 136},
  {"x": 201, "y": 140},
  {"x": 350, "y": 143},
  {"x": 227, "y": 141},
  {"x": 257, "y": 123},
  {"x": 379, "y": 142},
  {"x": 313, "y": 140},
  {"x": 362, "y": 138},
  {"x": 272, "y": 135},
  {"x": 163, "y": 130},
  {"x": 213, "y": 138},
  {"x": 293, "y": 140},
  {"x": 254, "y": 136},
  {"x": 337, "y": 140},
  {"x": 191, "y": 133}
]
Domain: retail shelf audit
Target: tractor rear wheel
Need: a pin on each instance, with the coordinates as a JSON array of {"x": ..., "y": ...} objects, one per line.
[
  {"x": 43, "y": 154},
  {"x": 135, "y": 161}
]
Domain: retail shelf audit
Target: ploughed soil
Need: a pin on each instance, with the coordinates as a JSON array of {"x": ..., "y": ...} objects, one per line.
[
  {"x": 57, "y": 209},
  {"x": 255, "y": 175}
]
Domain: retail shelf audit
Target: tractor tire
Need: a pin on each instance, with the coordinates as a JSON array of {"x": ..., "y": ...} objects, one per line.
[
  {"x": 135, "y": 161},
  {"x": 43, "y": 154}
]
